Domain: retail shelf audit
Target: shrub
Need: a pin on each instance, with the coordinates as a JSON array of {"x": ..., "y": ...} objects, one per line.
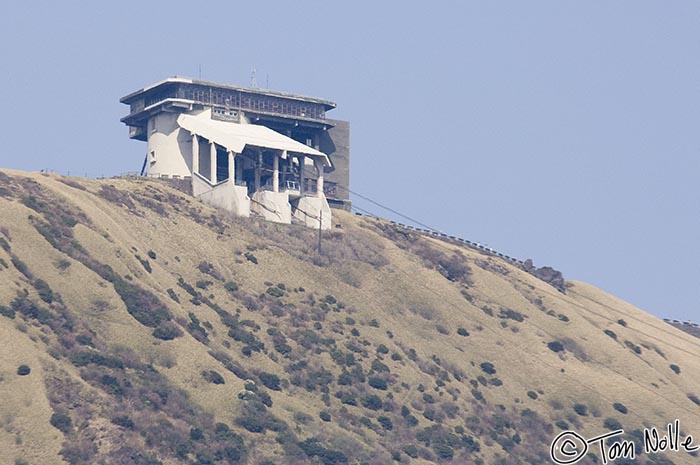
[
  {"x": 23, "y": 370},
  {"x": 581, "y": 409},
  {"x": 270, "y": 381},
  {"x": 462, "y": 332},
  {"x": 213, "y": 377},
  {"x": 251, "y": 258},
  {"x": 167, "y": 332},
  {"x": 633, "y": 347},
  {"x": 61, "y": 422},
  {"x": 612, "y": 424},
  {"x": 611, "y": 333},
  {"x": 676, "y": 369},
  {"x": 372, "y": 402},
  {"x": 173, "y": 295},
  {"x": 231, "y": 286},
  {"x": 44, "y": 291},
  {"x": 385, "y": 422},
  {"x": 488, "y": 368},
  {"x": 7, "y": 312},
  {"x": 532, "y": 395},
  {"x": 382, "y": 349},
  {"x": 561, "y": 424},
  {"x": 620, "y": 408},
  {"x": 555, "y": 346},
  {"x": 275, "y": 291},
  {"x": 325, "y": 416},
  {"x": 142, "y": 304},
  {"x": 693, "y": 398},
  {"x": 377, "y": 383},
  {"x": 442, "y": 330},
  {"x": 507, "y": 313},
  {"x": 411, "y": 450},
  {"x": 124, "y": 421},
  {"x": 151, "y": 254}
]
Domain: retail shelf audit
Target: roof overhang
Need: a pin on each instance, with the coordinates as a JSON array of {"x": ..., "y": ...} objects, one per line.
[{"x": 235, "y": 137}]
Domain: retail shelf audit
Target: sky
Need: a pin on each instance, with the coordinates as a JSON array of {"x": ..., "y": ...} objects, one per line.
[{"x": 562, "y": 131}]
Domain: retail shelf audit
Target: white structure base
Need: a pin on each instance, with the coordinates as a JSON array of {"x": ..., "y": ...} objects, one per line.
[
  {"x": 309, "y": 209},
  {"x": 222, "y": 195},
  {"x": 272, "y": 206}
]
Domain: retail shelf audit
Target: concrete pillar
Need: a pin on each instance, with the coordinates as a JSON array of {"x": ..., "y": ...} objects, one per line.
[
  {"x": 302, "y": 162},
  {"x": 239, "y": 171},
  {"x": 258, "y": 167},
  {"x": 212, "y": 161},
  {"x": 231, "y": 167},
  {"x": 316, "y": 142},
  {"x": 275, "y": 173},
  {"x": 195, "y": 154},
  {"x": 319, "y": 180}
]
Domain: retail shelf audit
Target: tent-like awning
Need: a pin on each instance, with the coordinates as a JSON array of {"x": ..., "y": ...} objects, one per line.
[{"x": 235, "y": 136}]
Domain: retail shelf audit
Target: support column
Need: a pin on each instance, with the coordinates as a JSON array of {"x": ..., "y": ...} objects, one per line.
[
  {"x": 212, "y": 162},
  {"x": 231, "y": 167},
  {"x": 258, "y": 166},
  {"x": 275, "y": 173},
  {"x": 238, "y": 173},
  {"x": 302, "y": 162},
  {"x": 319, "y": 181},
  {"x": 195, "y": 154},
  {"x": 316, "y": 141}
]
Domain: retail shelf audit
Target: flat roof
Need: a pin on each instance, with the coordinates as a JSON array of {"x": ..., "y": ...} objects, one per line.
[{"x": 252, "y": 90}]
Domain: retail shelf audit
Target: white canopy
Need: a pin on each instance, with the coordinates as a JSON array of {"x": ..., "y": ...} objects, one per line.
[{"x": 235, "y": 137}]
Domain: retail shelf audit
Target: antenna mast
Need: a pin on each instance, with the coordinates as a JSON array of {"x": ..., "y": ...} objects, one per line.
[{"x": 253, "y": 82}]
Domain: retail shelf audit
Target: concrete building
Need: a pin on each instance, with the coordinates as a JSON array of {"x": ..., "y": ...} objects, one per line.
[{"x": 245, "y": 149}]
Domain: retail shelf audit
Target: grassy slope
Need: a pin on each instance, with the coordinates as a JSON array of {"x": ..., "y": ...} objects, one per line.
[{"x": 369, "y": 267}]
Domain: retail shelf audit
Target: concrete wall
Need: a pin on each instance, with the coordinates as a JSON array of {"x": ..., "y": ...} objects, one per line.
[
  {"x": 336, "y": 143},
  {"x": 169, "y": 148},
  {"x": 272, "y": 206},
  {"x": 308, "y": 211}
]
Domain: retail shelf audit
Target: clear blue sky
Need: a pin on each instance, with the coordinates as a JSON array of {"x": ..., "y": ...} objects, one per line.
[{"x": 563, "y": 131}]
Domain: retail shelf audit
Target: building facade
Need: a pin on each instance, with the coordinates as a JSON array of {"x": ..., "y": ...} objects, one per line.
[{"x": 245, "y": 149}]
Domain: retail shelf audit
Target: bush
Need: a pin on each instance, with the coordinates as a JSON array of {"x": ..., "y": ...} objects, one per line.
[
  {"x": 676, "y": 369},
  {"x": 372, "y": 402},
  {"x": 694, "y": 399},
  {"x": 213, "y": 377},
  {"x": 23, "y": 370},
  {"x": 462, "y": 332},
  {"x": 167, "y": 332},
  {"x": 620, "y": 408},
  {"x": 61, "y": 422},
  {"x": 142, "y": 304},
  {"x": 385, "y": 422},
  {"x": 231, "y": 286},
  {"x": 581, "y": 409},
  {"x": 555, "y": 346},
  {"x": 561, "y": 424},
  {"x": 325, "y": 416},
  {"x": 124, "y": 421},
  {"x": 270, "y": 381},
  {"x": 275, "y": 292},
  {"x": 382, "y": 349},
  {"x": 44, "y": 291},
  {"x": 151, "y": 254},
  {"x": 488, "y": 368},
  {"x": 532, "y": 395},
  {"x": 7, "y": 312},
  {"x": 377, "y": 383},
  {"x": 411, "y": 450},
  {"x": 611, "y": 333},
  {"x": 612, "y": 424}
]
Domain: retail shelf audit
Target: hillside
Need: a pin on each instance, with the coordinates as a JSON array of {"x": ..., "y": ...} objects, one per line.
[{"x": 140, "y": 326}]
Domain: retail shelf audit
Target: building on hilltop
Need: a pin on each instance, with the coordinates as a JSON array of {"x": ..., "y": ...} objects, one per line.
[{"x": 245, "y": 149}]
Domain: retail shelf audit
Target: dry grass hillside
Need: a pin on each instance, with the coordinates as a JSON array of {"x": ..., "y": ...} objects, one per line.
[{"x": 139, "y": 326}]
